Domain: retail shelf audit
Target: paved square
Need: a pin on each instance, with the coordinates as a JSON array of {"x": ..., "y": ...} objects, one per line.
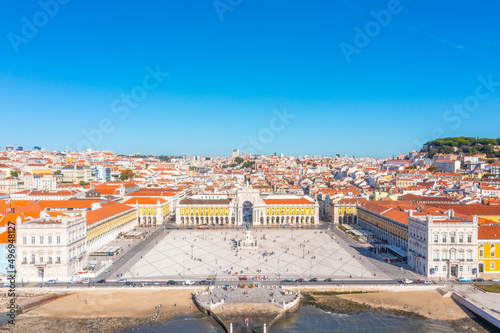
[{"x": 311, "y": 253}]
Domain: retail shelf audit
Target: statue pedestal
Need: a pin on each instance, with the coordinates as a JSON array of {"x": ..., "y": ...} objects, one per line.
[{"x": 248, "y": 242}]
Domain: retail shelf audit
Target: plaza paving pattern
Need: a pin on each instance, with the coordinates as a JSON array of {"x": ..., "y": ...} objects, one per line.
[{"x": 324, "y": 257}]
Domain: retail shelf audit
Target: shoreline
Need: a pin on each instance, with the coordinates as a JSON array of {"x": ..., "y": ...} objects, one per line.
[
  {"x": 360, "y": 302},
  {"x": 116, "y": 310}
]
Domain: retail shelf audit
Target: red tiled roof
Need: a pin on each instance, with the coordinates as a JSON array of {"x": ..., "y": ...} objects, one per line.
[{"x": 299, "y": 201}]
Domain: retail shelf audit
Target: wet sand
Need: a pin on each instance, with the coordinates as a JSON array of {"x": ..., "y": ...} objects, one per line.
[
  {"x": 104, "y": 310},
  {"x": 429, "y": 303}
]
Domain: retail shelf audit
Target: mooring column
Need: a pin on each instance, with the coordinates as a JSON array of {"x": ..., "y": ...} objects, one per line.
[
  {"x": 231, "y": 328},
  {"x": 265, "y": 329}
]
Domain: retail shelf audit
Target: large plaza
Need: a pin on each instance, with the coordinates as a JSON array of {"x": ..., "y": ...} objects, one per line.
[{"x": 282, "y": 253}]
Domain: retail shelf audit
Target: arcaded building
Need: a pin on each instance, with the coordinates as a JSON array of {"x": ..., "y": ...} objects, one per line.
[{"x": 247, "y": 205}]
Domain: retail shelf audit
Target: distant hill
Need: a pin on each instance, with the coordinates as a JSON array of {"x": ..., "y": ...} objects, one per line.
[{"x": 463, "y": 144}]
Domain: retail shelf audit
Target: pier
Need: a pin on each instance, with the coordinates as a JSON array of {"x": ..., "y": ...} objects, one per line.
[{"x": 249, "y": 309}]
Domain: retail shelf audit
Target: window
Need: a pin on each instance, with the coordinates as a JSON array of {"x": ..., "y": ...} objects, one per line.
[
  {"x": 25, "y": 240},
  {"x": 444, "y": 256},
  {"x": 436, "y": 255},
  {"x": 41, "y": 259},
  {"x": 58, "y": 239},
  {"x": 41, "y": 240},
  {"x": 25, "y": 259},
  {"x": 444, "y": 268},
  {"x": 50, "y": 259},
  {"x": 492, "y": 266},
  {"x": 58, "y": 259},
  {"x": 469, "y": 255},
  {"x": 481, "y": 254},
  {"x": 453, "y": 255},
  {"x": 469, "y": 238},
  {"x": 461, "y": 255},
  {"x": 444, "y": 238},
  {"x": 436, "y": 268},
  {"x": 492, "y": 250},
  {"x": 461, "y": 238},
  {"x": 49, "y": 240},
  {"x": 461, "y": 268},
  {"x": 436, "y": 238},
  {"x": 32, "y": 258},
  {"x": 32, "y": 239},
  {"x": 452, "y": 238}
]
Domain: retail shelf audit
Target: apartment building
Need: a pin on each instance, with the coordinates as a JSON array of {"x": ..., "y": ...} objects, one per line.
[{"x": 441, "y": 244}]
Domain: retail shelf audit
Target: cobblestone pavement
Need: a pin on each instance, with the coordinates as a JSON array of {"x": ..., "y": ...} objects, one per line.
[
  {"x": 282, "y": 253},
  {"x": 263, "y": 294}
]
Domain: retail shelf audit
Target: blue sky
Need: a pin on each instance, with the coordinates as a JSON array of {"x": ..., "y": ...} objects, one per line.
[{"x": 232, "y": 67}]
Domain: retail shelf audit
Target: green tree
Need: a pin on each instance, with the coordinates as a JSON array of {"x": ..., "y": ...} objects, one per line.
[
  {"x": 239, "y": 160},
  {"x": 57, "y": 172},
  {"x": 432, "y": 168},
  {"x": 83, "y": 183},
  {"x": 126, "y": 174},
  {"x": 15, "y": 173}
]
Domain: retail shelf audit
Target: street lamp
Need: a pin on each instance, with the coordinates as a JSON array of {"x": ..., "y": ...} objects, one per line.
[
  {"x": 279, "y": 269},
  {"x": 192, "y": 246},
  {"x": 303, "y": 251}
]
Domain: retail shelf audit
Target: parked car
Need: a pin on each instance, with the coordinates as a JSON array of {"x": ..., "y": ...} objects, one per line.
[
  {"x": 313, "y": 280},
  {"x": 244, "y": 277},
  {"x": 287, "y": 280},
  {"x": 300, "y": 280},
  {"x": 407, "y": 281},
  {"x": 156, "y": 283},
  {"x": 205, "y": 282},
  {"x": 129, "y": 283},
  {"x": 427, "y": 282},
  {"x": 144, "y": 283},
  {"x": 172, "y": 283},
  {"x": 51, "y": 282},
  {"x": 328, "y": 280},
  {"x": 7, "y": 284},
  {"x": 464, "y": 279},
  {"x": 189, "y": 282},
  {"x": 86, "y": 280},
  {"x": 495, "y": 280},
  {"x": 102, "y": 281},
  {"x": 478, "y": 280},
  {"x": 122, "y": 280}
]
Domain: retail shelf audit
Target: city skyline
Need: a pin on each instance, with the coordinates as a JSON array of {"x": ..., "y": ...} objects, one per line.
[{"x": 369, "y": 80}]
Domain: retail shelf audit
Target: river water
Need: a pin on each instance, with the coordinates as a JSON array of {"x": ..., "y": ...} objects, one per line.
[{"x": 311, "y": 320}]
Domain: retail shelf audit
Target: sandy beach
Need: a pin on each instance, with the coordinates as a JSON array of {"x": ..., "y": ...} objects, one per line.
[
  {"x": 429, "y": 303},
  {"x": 117, "y": 303},
  {"x": 105, "y": 310}
]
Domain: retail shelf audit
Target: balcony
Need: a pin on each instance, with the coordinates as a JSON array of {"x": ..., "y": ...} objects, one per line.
[
  {"x": 24, "y": 263},
  {"x": 32, "y": 262},
  {"x": 50, "y": 262},
  {"x": 58, "y": 262}
]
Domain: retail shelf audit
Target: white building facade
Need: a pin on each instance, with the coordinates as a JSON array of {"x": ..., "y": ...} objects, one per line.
[
  {"x": 51, "y": 248},
  {"x": 442, "y": 245}
]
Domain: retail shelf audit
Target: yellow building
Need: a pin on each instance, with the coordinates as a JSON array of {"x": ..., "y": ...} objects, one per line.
[
  {"x": 489, "y": 248},
  {"x": 151, "y": 211},
  {"x": 105, "y": 223}
]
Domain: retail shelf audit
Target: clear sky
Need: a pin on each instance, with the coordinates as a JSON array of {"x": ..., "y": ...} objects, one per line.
[{"x": 363, "y": 78}]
